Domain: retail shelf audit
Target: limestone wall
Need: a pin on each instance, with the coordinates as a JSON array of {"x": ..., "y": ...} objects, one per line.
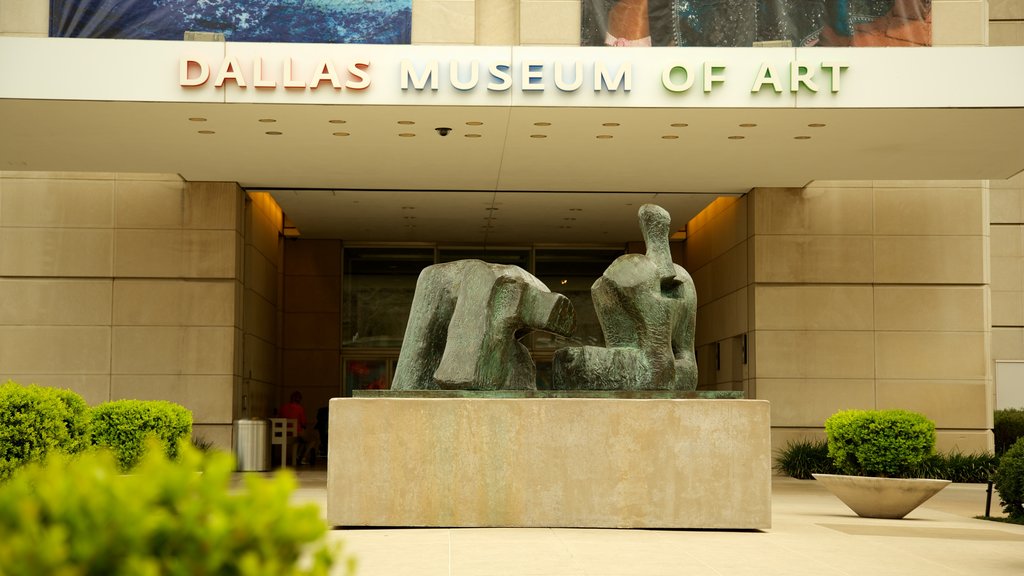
[
  {"x": 872, "y": 295},
  {"x": 122, "y": 286}
]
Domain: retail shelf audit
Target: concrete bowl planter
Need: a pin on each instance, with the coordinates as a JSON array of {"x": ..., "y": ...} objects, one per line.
[{"x": 873, "y": 497}]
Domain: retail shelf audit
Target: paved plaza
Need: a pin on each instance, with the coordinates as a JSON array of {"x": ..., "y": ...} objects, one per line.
[{"x": 812, "y": 533}]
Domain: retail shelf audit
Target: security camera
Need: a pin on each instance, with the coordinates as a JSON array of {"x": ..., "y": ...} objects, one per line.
[{"x": 443, "y": 130}]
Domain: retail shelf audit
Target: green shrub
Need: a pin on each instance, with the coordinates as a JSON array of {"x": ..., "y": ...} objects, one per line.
[
  {"x": 80, "y": 516},
  {"x": 124, "y": 425},
  {"x": 35, "y": 420},
  {"x": 890, "y": 443},
  {"x": 1009, "y": 480},
  {"x": 1007, "y": 426},
  {"x": 802, "y": 458}
]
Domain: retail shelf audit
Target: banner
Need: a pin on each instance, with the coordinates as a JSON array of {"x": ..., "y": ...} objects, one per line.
[
  {"x": 715, "y": 23},
  {"x": 313, "y": 21}
]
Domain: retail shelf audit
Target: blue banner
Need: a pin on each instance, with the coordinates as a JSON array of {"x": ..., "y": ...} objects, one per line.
[{"x": 313, "y": 21}]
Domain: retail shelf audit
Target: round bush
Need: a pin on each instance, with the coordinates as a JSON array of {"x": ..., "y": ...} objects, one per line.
[
  {"x": 1009, "y": 480},
  {"x": 1007, "y": 427},
  {"x": 35, "y": 420},
  {"x": 124, "y": 425},
  {"x": 888, "y": 443},
  {"x": 81, "y": 516}
]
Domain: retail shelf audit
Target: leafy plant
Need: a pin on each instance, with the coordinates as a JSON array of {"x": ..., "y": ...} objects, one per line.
[
  {"x": 958, "y": 467},
  {"x": 123, "y": 426},
  {"x": 1009, "y": 480},
  {"x": 80, "y": 516},
  {"x": 203, "y": 444},
  {"x": 1007, "y": 427},
  {"x": 35, "y": 421},
  {"x": 802, "y": 458},
  {"x": 888, "y": 443}
]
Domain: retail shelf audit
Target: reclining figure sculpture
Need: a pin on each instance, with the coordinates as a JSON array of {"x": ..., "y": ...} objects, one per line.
[
  {"x": 647, "y": 307},
  {"x": 464, "y": 326}
]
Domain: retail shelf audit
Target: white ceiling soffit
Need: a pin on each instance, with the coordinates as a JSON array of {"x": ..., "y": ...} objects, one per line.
[{"x": 520, "y": 149}]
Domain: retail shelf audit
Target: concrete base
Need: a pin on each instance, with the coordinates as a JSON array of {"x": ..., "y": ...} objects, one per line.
[{"x": 598, "y": 463}]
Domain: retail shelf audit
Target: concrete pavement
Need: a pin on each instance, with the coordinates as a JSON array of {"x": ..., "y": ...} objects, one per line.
[{"x": 812, "y": 533}]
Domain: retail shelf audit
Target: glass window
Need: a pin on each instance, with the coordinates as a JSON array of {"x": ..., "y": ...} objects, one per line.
[
  {"x": 572, "y": 272},
  {"x": 379, "y": 285},
  {"x": 511, "y": 256},
  {"x": 366, "y": 374}
]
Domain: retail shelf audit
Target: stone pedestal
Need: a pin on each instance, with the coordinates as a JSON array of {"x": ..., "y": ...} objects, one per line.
[{"x": 549, "y": 462}]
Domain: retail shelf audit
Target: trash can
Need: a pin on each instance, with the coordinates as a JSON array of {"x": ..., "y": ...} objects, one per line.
[{"x": 252, "y": 445}]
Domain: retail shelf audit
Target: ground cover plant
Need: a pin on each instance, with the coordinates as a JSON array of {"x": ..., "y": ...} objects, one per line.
[
  {"x": 81, "y": 516},
  {"x": 884, "y": 443},
  {"x": 802, "y": 458}
]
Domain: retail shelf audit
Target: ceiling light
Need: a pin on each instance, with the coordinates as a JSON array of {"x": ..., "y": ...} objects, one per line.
[
  {"x": 406, "y": 122},
  {"x": 340, "y": 134},
  {"x": 406, "y": 134},
  {"x": 337, "y": 121},
  {"x": 736, "y": 137},
  {"x": 273, "y": 133},
  {"x": 197, "y": 119},
  {"x": 207, "y": 132},
  {"x": 267, "y": 120},
  {"x": 679, "y": 125},
  {"x": 542, "y": 123},
  {"x": 538, "y": 135},
  {"x": 471, "y": 135},
  {"x": 474, "y": 123},
  {"x": 604, "y": 136},
  {"x": 748, "y": 125},
  {"x": 564, "y": 282},
  {"x": 815, "y": 125},
  {"x": 669, "y": 137}
]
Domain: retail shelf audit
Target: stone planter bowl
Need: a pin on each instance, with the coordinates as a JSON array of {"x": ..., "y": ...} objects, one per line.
[{"x": 872, "y": 497}]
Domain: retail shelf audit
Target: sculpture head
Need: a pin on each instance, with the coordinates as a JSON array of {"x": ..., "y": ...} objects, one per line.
[{"x": 654, "y": 223}]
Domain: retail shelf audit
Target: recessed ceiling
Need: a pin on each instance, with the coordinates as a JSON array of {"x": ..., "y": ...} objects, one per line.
[{"x": 479, "y": 217}]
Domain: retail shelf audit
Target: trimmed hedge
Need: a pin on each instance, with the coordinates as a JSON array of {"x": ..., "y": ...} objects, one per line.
[
  {"x": 35, "y": 420},
  {"x": 1009, "y": 480},
  {"x": 123, "y": 426},
  {"x": 888, "y": 443},
  {"x": 80, "y": 516},
  {"x": 1007, "y": 426}
]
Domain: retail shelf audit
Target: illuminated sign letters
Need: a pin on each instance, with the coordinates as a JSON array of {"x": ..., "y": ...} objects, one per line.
[{"x": 501, "y": 76}]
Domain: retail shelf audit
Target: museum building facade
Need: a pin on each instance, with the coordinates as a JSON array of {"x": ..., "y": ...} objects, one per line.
[{"x": 222, "y": 223}]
